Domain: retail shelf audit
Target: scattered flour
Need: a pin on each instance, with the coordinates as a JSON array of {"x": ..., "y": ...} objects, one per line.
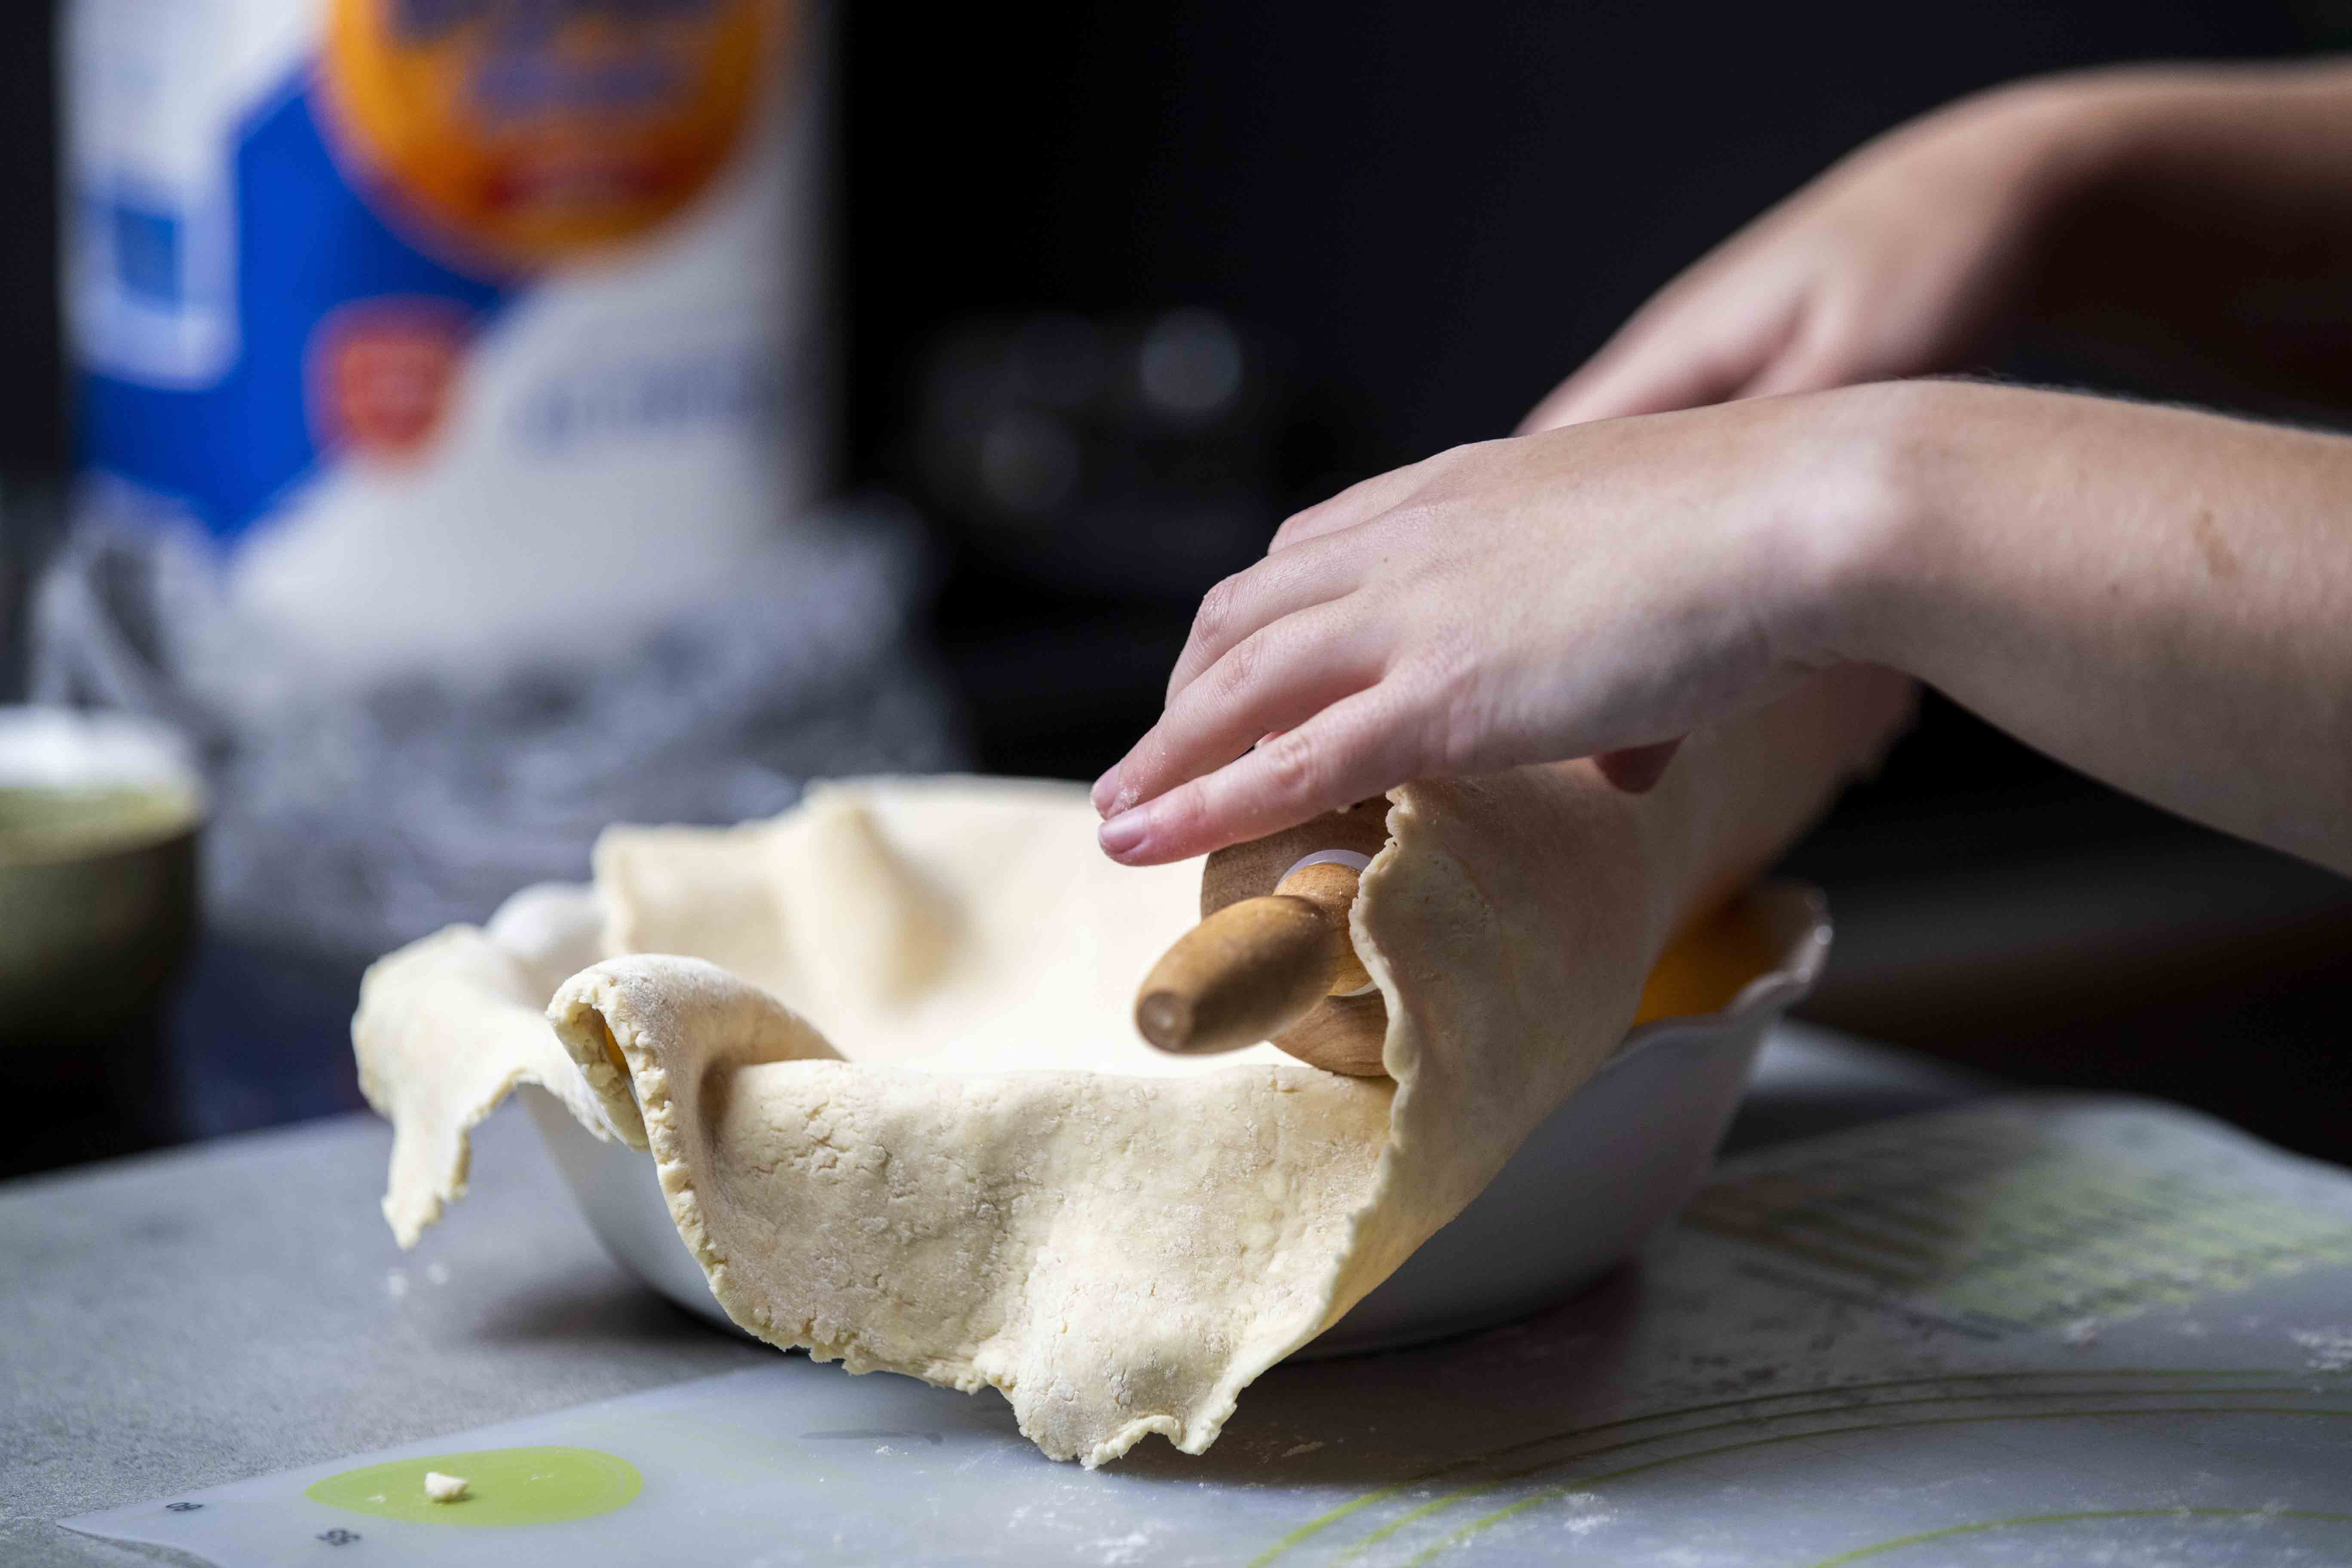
[
  {"x": 1584, "y": 1518},
  {"x": 1118, "y": 1549},
  {"x": 2331, "y": 1349}
]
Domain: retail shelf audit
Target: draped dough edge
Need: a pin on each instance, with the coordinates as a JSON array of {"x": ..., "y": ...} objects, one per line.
[
  {"x": 1118, "y": 1255},
  {"x": 460, "y": 988},
  {"x": 968, "y": 1229},
  {"x": 1510, "y": 963},
  {"x": 1489, "y": 1029}
]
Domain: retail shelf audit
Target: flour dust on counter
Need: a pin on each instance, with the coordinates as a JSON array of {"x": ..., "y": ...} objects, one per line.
[{"x": 1865, "y": 1348}]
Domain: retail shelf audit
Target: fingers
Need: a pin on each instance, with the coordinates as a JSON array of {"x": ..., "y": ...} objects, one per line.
[
  {"x": 1653, "y": 380},
  {"x": 1813, "y": 364},
  {"x": 1270, "y": 680},
  {"x": 1360, "y": 746},
  {"x": 1235, "y": 611},
  {"x": 1359, "y": 503},
  {"x": 1689, "y": 349},
  {"x": 1247, "y": 601}
]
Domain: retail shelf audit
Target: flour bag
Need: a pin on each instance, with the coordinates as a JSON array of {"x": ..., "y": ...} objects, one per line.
[{"x": 448, "y": 380}]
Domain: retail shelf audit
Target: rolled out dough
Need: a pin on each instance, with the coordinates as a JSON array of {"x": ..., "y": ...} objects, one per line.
[{"x": 879, "y": 1049}]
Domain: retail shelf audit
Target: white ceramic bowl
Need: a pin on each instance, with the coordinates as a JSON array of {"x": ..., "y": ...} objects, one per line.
[{"x": 1618, "y": 1159}]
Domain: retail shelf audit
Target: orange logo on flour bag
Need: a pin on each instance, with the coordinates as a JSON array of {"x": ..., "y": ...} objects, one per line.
[{"x": 519, "y": 133}]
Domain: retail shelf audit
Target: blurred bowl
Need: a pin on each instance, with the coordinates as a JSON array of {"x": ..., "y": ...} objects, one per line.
[{"x": 99, "y": 819}]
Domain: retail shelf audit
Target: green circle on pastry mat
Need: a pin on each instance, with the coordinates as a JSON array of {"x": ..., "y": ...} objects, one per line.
[{"x": 503, "y": 1486}]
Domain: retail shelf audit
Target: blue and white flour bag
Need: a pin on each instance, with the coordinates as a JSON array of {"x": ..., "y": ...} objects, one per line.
[{"x": 450, "y": 394}]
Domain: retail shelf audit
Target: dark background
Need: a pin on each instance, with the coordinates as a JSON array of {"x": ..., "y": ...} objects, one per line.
[{"x": 1408, "y": 221}]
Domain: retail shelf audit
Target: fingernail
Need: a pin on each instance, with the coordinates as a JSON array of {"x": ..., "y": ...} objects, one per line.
[
  {"x": 1100, "y": 795},
  {"x": 1121, "y": 833}
]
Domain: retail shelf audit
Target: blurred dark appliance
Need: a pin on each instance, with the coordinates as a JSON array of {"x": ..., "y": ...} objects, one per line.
[{"x": 1089, "y": 479}]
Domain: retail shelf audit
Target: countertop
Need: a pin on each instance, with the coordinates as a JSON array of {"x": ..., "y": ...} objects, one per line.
[{"x": 186, "y": 1319}]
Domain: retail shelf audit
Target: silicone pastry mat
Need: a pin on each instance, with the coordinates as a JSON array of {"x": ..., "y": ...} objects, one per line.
[{"x": 2045, "y": 1330}]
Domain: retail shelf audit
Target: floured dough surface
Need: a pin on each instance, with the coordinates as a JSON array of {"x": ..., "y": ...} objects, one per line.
[
  {"x": 879, "y": 1051},
  {"x": 967, "y": 925}
]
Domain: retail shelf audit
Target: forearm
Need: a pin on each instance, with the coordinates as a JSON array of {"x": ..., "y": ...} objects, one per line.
[
  {"x": 2265, "y": 149},
  {"x": 2269, "y": 142},
  {"x": 1741, "y": 790},
  {"x": 2160, "y": 598},
  {"x": 2189, "y": 220}
]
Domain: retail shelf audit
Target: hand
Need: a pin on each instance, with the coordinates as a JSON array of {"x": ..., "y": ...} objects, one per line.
[
  {"x": 1910, "y": 257},
  {"x": 1545, "y": 597}
]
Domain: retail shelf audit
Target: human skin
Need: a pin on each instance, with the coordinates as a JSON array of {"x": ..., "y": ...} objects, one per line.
[
  {"x": 2159, "y": 597},
  {"x": 2175, "y": 218}
]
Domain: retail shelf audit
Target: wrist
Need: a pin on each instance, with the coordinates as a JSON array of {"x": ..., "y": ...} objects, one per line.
[{"x": 1858, "y": 526}]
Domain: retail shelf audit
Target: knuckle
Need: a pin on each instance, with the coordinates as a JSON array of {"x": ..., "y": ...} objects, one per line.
[
  {"x": 1292, "y": 527},
  {"x": 1446, "y": 666},
  {"x": 1445, "y": 686},
  {"x": 1237, "y": 672},
  {"x": 1216, "y": 611},
  {"x": 1294, "y": 766}
]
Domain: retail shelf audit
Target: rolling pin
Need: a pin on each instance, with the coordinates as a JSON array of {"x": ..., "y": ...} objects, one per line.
[{"x": 1272, "y": 959}]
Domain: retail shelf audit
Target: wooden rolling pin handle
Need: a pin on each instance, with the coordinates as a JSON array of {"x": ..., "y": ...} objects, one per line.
[
  {"x": 1255, "y": 968},
  {"x": 1330, "y": 886}
]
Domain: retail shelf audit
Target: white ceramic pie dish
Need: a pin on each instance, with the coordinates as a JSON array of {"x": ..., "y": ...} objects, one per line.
[{"x": 1619, "y": 1158}]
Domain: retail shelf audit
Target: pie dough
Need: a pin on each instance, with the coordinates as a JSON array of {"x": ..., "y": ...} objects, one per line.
[{"x": 879, "y": 1049}]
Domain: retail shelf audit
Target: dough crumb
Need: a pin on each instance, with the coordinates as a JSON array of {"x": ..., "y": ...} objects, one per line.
[
  {"x": 440, "y": 1488},
  {"x": 2081, "y": 1332}
]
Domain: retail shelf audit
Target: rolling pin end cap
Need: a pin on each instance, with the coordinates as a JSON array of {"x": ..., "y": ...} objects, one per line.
[{"x": 1165, "y": 1019}]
